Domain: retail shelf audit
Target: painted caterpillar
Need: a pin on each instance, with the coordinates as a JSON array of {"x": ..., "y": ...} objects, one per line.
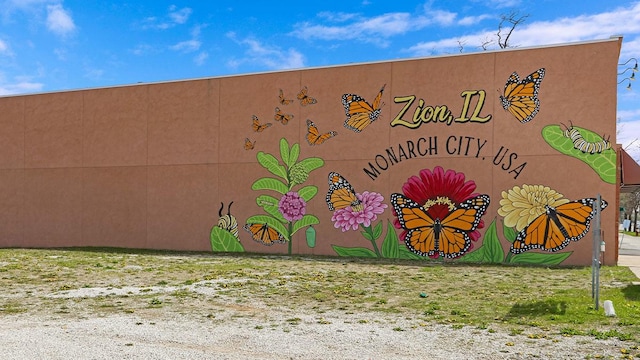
[
  {"x": 228, "y": 222},
  {"x": 583, "y": 145}
]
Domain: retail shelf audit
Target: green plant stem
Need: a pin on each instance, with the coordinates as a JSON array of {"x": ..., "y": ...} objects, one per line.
[
  {"x": 369, "y": 231},
  {"x": 289, "y": 229}
]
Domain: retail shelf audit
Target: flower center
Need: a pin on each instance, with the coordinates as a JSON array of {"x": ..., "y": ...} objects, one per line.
[{"x": 440, "y": 200}]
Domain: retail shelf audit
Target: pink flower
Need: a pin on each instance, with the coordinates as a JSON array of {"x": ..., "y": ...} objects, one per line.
[
  {"x": 292, "y": 206},
  {"x": 348, "y": 219}
]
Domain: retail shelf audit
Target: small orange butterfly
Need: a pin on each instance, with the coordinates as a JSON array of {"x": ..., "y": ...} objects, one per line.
[
  {"x": 359, "y": 112},
  {"x": 304, "y": 98},
  {"x": 257, "y": 127},
  {"x": 313, "y": 135},
  {"x": 264, "y": 234},
  {"x": 284, "y": 101},
  {"x": 282, "y": 117},
  {"x": 248, "y": 145}
]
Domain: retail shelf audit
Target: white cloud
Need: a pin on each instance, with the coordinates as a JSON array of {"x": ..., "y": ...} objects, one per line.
[
  {"x": 173, "y": 18},
  {"x": 201, "y": 58},
  {"x": 271, "y": 57},
  {"x": 186, "y": 46},
  {"x": 21, "y": 87},
  {"x": 4, "y": 48},
  {"x": 59, "y": 20}
]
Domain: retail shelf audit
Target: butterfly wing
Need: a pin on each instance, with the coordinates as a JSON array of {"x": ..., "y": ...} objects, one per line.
[
  {"x": 520, "y": 97},
  {"x": 282, "y": 117},
  {"x": 553, "y": 230},
  {"x": 421, "y": 237},
  {"x": 359, "y": 112},
  {"x": 304, "y": 98},
  {"x": 282, "y": 99},
  {"x": 264, "y": 234},
  {"x": 314, "y": 137},
  {"x": 248, "y": 145},
  {"x": 341, "y": 194},
  {"x": 257, "y": 127}
]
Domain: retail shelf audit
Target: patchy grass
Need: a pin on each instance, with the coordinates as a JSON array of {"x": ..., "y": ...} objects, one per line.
[{"x": 532, "y": 301}]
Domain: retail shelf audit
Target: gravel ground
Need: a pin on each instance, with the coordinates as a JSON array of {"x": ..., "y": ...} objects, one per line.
[{"x": 279, "y": 335}]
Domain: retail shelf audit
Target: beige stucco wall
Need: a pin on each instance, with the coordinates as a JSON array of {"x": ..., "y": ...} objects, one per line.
[{"x": 147, "y": 166}]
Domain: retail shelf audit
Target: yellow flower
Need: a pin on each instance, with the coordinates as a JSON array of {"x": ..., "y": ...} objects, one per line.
[{"x": 520, "y": 206}]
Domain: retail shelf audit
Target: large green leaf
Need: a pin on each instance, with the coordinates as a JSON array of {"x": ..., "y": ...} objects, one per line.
[
  {"x": 272, "y": 222},
  {"x": 270, "y": 206},
  {"x": 354, "y": 252},
  {"x": 604, "y": 164},
  {"x": 272, "y": 164},
  {"x": 266, "y": 183},
  {"x": 531, "y": 258},
  {"x": 293, "y": 154},
  {"x": 312, "y": 163},
  {"x": 284, "y": 151},
  {"x": 476, "y": 256},
  {"x": 223, "y": 241},
  {"x": 509, "y": 233},
  {"x": 390, "y": 244},
  {"x": 493, "y": 251},
  {"x": 308, "y": 192},
  {"x": 306, "y": 220}
]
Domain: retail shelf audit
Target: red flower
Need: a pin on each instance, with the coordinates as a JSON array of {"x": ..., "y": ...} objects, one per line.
[{"x": 438, "y": 192}]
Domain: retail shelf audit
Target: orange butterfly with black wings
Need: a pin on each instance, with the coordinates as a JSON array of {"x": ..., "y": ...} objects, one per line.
[
  {"x": 520, "y": 97},
  {"x": 248, "y": 144},
  {"x": 282, "y": 117},
  {"x": 447, "y": 237},
  {"x": 264, "y": 234},
  {"x": 341, "y": 194},
  {"x": 304, "y": 97},
  {"x": 282, "y": 99},
  {"x": 257, "y": 127},
  {"x": 360, "y": 113},
  {"x": 553, "y": 230},
  {"x": 314, "y": 137}
]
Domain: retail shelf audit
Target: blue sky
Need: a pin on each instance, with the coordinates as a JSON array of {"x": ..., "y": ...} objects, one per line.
[{"x": 52, "y": 45}]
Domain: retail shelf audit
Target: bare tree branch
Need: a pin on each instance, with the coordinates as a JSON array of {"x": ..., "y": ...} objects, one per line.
[{"x": 514, "y": 20}]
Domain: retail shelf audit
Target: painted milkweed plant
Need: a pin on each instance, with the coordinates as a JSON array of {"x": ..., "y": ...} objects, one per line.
[{"x": 286, "y": 197}]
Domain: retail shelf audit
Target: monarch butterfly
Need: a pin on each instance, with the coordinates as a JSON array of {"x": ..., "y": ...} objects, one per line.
[
  {"x": 282, "y": 117},
  {"x": 264, "y": 234},
  {"x": 583, "y": 145},
  {"x": 248, "y": 145},
  {"x": 257, "y": 127},
  {"x": 553, "y": 230},
  {"x": 359, "y": 112},
  {"x": 520, "y": 97},
  {"x": 304, "y": 98},
  {"x": 447, "y": 237},
  {"x": 284, "y": 101},
  {"x": 341, "y": 194},
  {"x": 228, "y": 222},
  {"x": 313, "y": 135}
]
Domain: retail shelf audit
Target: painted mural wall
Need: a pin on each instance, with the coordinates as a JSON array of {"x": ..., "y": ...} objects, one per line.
[{"x": 486, "y": 157}]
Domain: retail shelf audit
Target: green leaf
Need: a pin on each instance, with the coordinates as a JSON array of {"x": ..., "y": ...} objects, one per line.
[
  {"x": 272, "y": 222},
  {"x": 405, "y": 253},
  {"x": 312, "y": 163},
  {"x": 377, "y": 231},
  {"x": 270, "y": 206},
  {"x": 308, "y": 192},
  {"x": 306, "y": 220},
  {"x": 270, "y": 184},
  {"x": 476, "y": 256},
  {"x": 353, "y": 252},
  {"x": 294, "y": 154},
  {"x": 366, "y": 235},
  {"x": 284, "y": 150},
  {"x": 390, "y": 245},
  {"x": 223, "y": 241},
  {"x": 604, "y": 164},
  {"x": 493, "y": 249},
  {"x": 272, "y": 164},
  {"x": 540, "y": 258},
  {"x": 509, "y": 233}
]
